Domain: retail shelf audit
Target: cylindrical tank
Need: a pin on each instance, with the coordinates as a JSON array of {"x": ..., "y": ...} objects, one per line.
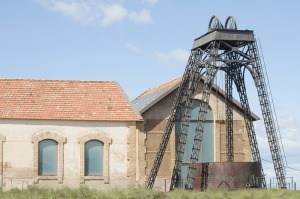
[{"x": 227, "y": 175}]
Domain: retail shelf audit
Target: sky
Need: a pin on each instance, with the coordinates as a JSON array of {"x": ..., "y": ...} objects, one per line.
[{"x": 144, "y": 43}]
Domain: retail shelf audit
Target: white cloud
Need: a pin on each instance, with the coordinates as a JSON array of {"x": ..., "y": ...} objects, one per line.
[
  {"x": 95, "y": 11},
  {"x": 78, "y": 11},
  {"x": 132, "y": 48},
  {"x": 289, "y": 133},
  {"x": 140, "y": 17},
  {"x": 113, "y": 13},
  {"x": 289, "y": 129},
  {"x": 176, "y": 57},
  {"x": 151, "y": 1}
]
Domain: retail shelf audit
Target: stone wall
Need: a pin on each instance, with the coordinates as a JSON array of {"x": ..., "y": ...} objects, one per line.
[
  {"x": 18, "y": 148},
  {"x": 241, "y": 144},
  {"x": 136, "y": 154}
]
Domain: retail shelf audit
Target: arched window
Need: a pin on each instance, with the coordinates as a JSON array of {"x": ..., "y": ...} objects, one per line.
[
  {"x": 47, "y": 157},
  {"x": 93, "y": 158},
  {"x": 207, "y": 145}
]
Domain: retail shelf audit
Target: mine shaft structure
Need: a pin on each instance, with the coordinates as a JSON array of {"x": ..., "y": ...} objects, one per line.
[{"x": 235, "y": 52}]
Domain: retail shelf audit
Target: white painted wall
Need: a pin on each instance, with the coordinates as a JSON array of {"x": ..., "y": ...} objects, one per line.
[{"x": 18, "y": 151}]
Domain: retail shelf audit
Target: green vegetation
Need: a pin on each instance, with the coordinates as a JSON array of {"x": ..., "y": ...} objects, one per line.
[{"x": 141, "y": 193}]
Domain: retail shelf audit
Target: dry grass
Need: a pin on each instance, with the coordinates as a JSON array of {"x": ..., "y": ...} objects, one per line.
[{"x": 141, "y": 193}]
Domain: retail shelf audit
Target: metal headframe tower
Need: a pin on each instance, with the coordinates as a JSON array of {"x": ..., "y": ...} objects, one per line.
[{"x": 235, "y": 52}]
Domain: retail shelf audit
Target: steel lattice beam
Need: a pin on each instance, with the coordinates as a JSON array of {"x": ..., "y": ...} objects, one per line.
[
  {"x": 195, "y": 79},
  {"x": 210, "y": 75},
  {"x": 229, "y": 116},
  {"x": 181, "y": 95},
  {"x": 271, "y": 130},
  {"x": 240, "y": 84}
]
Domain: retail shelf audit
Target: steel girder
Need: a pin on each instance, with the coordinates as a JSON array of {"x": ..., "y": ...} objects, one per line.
[
  {"x": 229, "y": 116},
  {"x": 181, "y": 143},
  {"x": 238, "y": 77},
  {"x": 210, "y": 75},
  {"x": 269, "y": 121},
  {"x": 185, "y": 92},
  {"x": 204, "y": 62}
]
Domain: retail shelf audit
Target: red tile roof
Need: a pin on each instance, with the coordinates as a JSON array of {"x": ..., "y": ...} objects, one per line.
[{"x": 65, "y": 100}]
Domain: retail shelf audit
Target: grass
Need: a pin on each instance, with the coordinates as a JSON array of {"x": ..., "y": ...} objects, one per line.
[{"x": 35, "y": 192}]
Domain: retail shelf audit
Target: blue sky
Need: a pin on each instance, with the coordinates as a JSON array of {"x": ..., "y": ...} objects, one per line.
[{"x": 143, "y": 43}]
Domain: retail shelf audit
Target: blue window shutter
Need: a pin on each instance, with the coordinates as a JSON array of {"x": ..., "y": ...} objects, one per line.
[
  {"x": 47, "y": 157},
  {"x": 93, "y": 162}
]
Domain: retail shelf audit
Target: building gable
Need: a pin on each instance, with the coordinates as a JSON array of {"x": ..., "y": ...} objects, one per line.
[{"x": 152, "y": 96}]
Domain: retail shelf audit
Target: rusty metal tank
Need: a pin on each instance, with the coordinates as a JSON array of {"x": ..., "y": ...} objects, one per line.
[{"x": 227, "y": 175}]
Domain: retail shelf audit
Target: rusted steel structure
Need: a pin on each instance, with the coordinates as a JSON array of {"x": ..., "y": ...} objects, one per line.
[
  {"x": 235, "y": 52},
  {"x": 228, "y": 175}
]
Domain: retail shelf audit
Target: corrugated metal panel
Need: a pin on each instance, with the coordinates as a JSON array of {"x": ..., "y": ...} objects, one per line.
[{"x": 144, "y": 101}]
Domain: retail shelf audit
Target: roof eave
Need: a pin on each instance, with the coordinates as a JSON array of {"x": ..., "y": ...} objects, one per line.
[
  {"x": 137, "y": 113},
  {"x": 145, "y": 108}
]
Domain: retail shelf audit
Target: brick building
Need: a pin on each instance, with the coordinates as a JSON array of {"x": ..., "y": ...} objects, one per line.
[{"x": 67, "y": 133}]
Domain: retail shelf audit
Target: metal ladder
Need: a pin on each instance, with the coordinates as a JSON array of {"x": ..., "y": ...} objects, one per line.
[
  {"x": 210, "y": 75},
  {"x": 181, "y": 143},
  {"x": 259, "y": 79},
  {"x": 185, "y": 92}
]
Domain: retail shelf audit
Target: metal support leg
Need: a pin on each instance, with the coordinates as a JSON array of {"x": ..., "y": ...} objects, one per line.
[
  {"x": 240, "y": 84},
  {"x": 259, "y": 79},
  {"x": 181, "y": 94},
  {"x": 210, "y": 75},
  {"x": 229, "y": 117},
  {"x": 195, "y": 79}
]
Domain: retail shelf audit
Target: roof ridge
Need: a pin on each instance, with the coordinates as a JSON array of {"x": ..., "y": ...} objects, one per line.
[{"x": 54, "y": 80}]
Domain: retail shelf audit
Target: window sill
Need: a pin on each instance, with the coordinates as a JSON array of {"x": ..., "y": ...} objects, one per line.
[
  {"x": 92, "y": 178},
  {"x": 46, "y": 177}
]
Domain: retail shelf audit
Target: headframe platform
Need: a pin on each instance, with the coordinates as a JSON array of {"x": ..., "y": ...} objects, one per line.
[{"x": 230, "y": 36}]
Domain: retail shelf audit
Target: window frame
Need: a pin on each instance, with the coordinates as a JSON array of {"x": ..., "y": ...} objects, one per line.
[
  {"x": 47, "y": 135},
  {"x": 106, "y": 144},
  {"x": 39, "y": 155},
  {"x": 2, "y": 139},
  {"x": 99, "y": 156}
]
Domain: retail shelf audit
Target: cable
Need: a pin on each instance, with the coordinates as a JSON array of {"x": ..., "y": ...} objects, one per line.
[
  {"x": 272, "y": 101},
  {"x": 284, "y": 166}
]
